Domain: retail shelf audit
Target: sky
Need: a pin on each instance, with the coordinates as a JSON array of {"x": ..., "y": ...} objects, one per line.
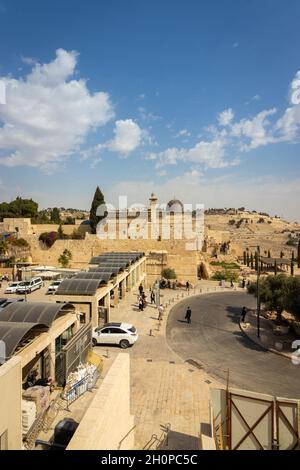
[{"x": 195, "y": 99}]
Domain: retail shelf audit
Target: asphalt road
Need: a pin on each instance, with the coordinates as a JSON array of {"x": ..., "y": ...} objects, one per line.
[{"x": 215, "y": 342}]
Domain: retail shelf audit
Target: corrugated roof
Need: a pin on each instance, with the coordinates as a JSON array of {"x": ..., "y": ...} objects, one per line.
[
  {"x": 34, "y": 312},
  {"x": 13, "y": 334},
  {"x": 101, "y": 276},
  {"x": 79, "y": 287}
]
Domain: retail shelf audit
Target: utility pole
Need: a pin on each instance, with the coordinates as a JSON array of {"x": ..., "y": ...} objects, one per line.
[{"x": 258, "y": 292}]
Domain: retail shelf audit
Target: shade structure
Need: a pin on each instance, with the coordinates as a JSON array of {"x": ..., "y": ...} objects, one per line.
[
  {"x": 106, "y": 270},
  {"x": 80, "y": 286},
  {"x": 35, "y": 312},
  {"x": 126, "y": 257},
  {"x": 99, "y": 275},
  {"x": 14, "y": 334}
]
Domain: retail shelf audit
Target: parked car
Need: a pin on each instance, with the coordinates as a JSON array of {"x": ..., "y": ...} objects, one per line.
[
  {"x": 54, "y": 286},
  {"x": 123, "y": 334},
  {"x": 25, "y": 287},
  {"x": 12, "y": 288}
]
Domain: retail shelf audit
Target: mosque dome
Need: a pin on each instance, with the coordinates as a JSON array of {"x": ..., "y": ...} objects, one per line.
[{"x": 175, "y": 206}]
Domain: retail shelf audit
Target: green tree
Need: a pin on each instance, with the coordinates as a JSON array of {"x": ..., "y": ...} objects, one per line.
[
  {"x": 98, "y": 201},
  {"x": 19, "y": 208},
  {"x": 3, "y": 247},
  {"x": 252, "y": 261},
  {"x": 168, "y": 273},
  {"x": 275, "y": 268},
  {"x": 60, "y": 233},
  {"x": 292, "y": 267},
  {"x": 55, "y": 215},
  {"x": 245, "y": 258},
  {"x": 65, "y": 258}
]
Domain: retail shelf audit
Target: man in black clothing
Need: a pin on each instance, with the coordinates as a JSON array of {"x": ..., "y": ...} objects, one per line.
[
  {"x": 188, "y": 315},
  {"x": 243, "y": 314}
]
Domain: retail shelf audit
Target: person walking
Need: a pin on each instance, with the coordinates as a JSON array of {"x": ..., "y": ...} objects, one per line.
[
  {"x": 152, "y": 297},
  {"x": 244, "y": 283},
  {"x": 188, "y": 315},
  {"x": 141, "y": 289},
  {"x": 141, "y": 304},
  {"x": 243, "y": 314},
  {"x": 160, "y": 312},
  {"x": 187, "y": 285}
]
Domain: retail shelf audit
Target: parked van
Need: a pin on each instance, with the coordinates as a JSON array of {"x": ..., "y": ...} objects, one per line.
[{"x": 26, "y": 287}]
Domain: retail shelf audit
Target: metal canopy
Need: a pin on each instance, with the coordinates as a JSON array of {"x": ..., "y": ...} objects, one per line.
[
  {"x": 14, "y": 334},
  {"x": 130, "y": 257},
  {"x": 100, "y": 269},
  {"x": 101, "y": 276},
  {"x": 34, "y": 312},
  {"x": 80, "y": 286}
]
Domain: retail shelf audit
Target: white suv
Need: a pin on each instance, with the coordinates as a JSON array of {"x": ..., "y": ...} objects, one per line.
[
  {"x": 54, "y": 286},
  {"x": 12, "y": 288},
  {"x": 123, "y": 334},
  {"x": 26, "y": 287}
]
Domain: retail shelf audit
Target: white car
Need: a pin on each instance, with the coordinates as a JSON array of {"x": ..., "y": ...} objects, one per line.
[
  {"x": 12, "y": 288},
  {"x": 25, "y": 287},
  {"x": 54, "y": 286},
  {"x": 123, "y": 334}
]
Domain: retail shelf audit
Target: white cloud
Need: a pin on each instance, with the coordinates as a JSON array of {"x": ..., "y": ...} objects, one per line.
[
  {"x": 147, "y": 116},
  {"x": 128, "y": 137},
  {"x": 235, "y": 45},
  {"x": 207, "y": 154},
  {"x": 183, "y": 133},
  {"x": 226, "y": 117},
  {"x": 49, "y": 114},
  {"x": 254, "y": 130}
]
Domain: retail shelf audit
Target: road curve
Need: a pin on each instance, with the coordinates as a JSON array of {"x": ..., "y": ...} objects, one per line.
[{"x": 215, "y": 341}]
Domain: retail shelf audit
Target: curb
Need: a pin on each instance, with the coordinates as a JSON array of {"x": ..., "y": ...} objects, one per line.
[{"x": 272, "y": 350}]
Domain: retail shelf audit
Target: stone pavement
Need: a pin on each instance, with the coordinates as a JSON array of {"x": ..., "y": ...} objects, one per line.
[
  {"x": 165, "y": 390},
  {"x": 271, "y": 338}
]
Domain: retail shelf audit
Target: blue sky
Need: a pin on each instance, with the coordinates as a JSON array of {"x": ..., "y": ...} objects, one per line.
[{"x": 188, "y": 98}]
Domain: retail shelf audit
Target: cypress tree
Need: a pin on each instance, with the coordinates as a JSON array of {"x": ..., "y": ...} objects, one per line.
[
  {"x": 251, "y": 261},
  {"x": 292, "y": 267},
  {"x": 256, "y": 261},
  {"x": 245, "y": 258},
  {"x": 94, "y": 218},
  {"x": 60, "y": 233},
  {"x": 269, "y": 254},
  {"x": 276, "y": 268},
  {"x": 248, "y": 259}
]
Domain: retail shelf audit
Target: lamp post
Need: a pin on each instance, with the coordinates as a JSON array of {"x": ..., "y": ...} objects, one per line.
[{"x": 258, "y": 288}]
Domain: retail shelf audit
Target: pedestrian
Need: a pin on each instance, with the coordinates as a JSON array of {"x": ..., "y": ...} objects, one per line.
[
  {"x": 141, "y": 304},
  {"x": 152, "y": 297},
  {"x": 187, "y": 285},
  {"x": 243, "y": 314},
  {"x": 141, "y": 289},
  {"x": 188, "y": 315},
  {"x": 160, "y": 312},
  {"x": 244, "y": 283},
  {"x": 231, "y": 284}
]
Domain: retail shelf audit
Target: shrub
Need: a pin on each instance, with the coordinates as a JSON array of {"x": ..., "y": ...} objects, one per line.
[
  {"x": 226, "y": 276},
  {"x": 168, "y": 273},
  {"x": 48, "y": 238}
]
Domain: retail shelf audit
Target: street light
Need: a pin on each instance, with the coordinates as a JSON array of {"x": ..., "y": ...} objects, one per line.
[{"x": 257, "y": 288}]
